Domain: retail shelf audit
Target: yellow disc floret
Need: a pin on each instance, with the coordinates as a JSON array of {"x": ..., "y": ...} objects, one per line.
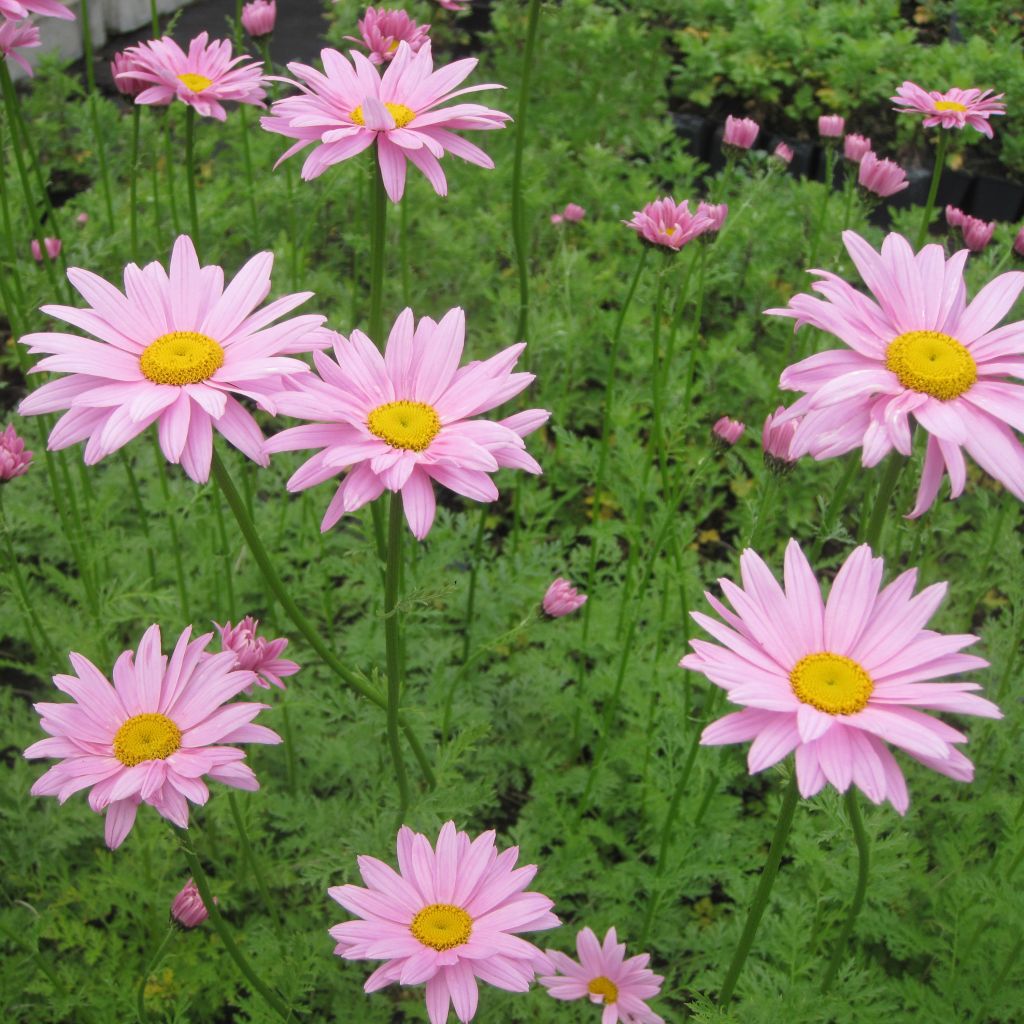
[
  {"x": 197, "y": 83},
  {"x": 442, "y": 926},
  {"x": 181, "y": 357},
  {"x": 931, "y": 362},
  {"x": 944, "y": 105},
  {"x": 148, "y": 737},
  {"x": 408, "y": 425},
  {"x": 399, "y": 111},
  {"x": 831, "y": 683},
  {"x": 602, "y": 986}
]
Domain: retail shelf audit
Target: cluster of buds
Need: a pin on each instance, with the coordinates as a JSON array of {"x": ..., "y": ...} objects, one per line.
[{"x": 51, "y": 247}]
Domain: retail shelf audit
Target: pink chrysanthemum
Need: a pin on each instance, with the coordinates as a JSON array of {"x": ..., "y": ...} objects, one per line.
[
  {"x": 202, "y": 78},
  {"x": 831, "y": 126},
  {"x": 448, "y": 917},
  {"x": 562, "y": 598},
  {"x": 455, "y": 5},
  {"x": 671, "y": 225},
  {"x": 124, "y": 62},
  {"x": 383, "y": 30},
  {"x": 855, "y": 147},
  {"x": 715, "y": 213},
  {"x": 170, "y": 352},
  {"x": 402, "y": 421},
  {"x": 15, "y": 36},
  {"x": 740, "y": 132},
  {"x": 349, "y": 107},
  {"x": 255, "y": 653},
  {"x": 918, "y": 350},
  {"x": 836, "y": 681},
  {"x": 188, "y": 909},
  {"x": 883, "y": 178},
  {"x": 14, "y": 9},
  {"x": 259, "y": 18},
  {"x": 784, "y": 153},
  {"x": 15, "y": 458},
  {"x": 777, "y": 442},
  {"x": 953, "y": 109},
  {"x": 726, "y": 432},
  {"x": 152, "y": 736},
  {"x": 606, "y": 977}
]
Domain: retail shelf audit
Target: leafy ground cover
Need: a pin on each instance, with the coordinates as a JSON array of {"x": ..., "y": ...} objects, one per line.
[{"x": 573, "y": 737}]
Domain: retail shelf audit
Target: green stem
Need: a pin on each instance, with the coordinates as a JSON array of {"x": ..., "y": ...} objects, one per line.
[
  {"x": 393, "y": 645},
  {"x": 291, "y": 766},
  {"x": 771, "y": 484},
  {"x": 243, "y": 120},
  {"x": 764, "y": 889},
  {"x": 172, "y": 527},
  {"x": 251, "y": 861},
  {"x": 13, "y": 257},
  {"x": 519, "y": 230},
  {"x": 172, "y": 199},
  {"x": 353, "y": 681},
  {"x": 220, "y": 926},
  {"x": 403, "y": 247},
  {"x": 154, "y": 16},
  {"x": 140, "y": 511},
  {"x": 140, "y": 996},
  {"x": 863, "y": 863},
  {"x": 133, "y": 163},
  {"x": 835, "y": 505},
  {"x": 378, "y": 237},
  {"x": 225, "y": 553},
  {"x": 698, "y": 313},
  {"x": 190, "y": 171},
  {"x": 872, "y": 536},
  {"x": 933, "y": 188},
  {"x": 830, "y": 167},
  {"x": 851, "y": 195},
  {"x": 158, "y": 219},
  {"x": 657, "y": 441}
]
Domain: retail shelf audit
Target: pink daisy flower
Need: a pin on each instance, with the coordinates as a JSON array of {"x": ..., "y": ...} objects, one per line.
[
  {"x": 15, "y": 36},
  {"x": 837, "y": 680},
  {"x": 670, "y": 225},
  {"x": 402, "y": 421},
  {"x": 151, "y": 736},
  {"x": 953, "y": 109},
  {"x": 715, "y": 213},
  {"x": 171, "y": 351},
  {"x": 257, "y": 654},
  {"x": 448, "y": 917},
  {"x": 349, "y": 107},
  {"x": 201, "y": 78},
  {"x": 917, "y": 350},
  {"x": 606, "y": 977},
  {"x": 14, "y": 9},
  {"x": 383, "y": 30},
  {"x": 455, "y": 5}
]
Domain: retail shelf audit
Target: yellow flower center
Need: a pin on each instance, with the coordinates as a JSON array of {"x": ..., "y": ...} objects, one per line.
[
  {"x": 197, "y": 83},
  {"x": 408, "y": 425},
  {"x": 602, "y": 986},
  {"x": 670, "y": 230},
  {"x": 391, "y": 49},
  {"x": 950, "y": 105},
  {"x": 148, "y": 737},
  {"x": 399, "y": 111},
  {"x": 831, "y": 683},
  {"x": 441, "y": 926},
  {"x": 932, "y": 363},
  {"x": 181, "y": 357}
]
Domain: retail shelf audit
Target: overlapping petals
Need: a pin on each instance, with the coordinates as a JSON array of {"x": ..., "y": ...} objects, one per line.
[
  {"x": 770, "y": 629},
  {"x": 953, "y": 109},
  {"x": 350, "y": 106},
  {"x": 14, "y": 9},
  {"x": 672, "y": 225},
  {"x": 190, "y": 689},
  {"x": 853, "y": 399},
  {"x": 15, "y": 36}
]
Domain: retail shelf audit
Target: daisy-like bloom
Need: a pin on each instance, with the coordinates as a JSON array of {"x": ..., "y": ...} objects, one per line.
[
  {"x": 255, "y": 653},
  {"x": 855, "y": 146},
  {"x": 170, "y": 352},
  {"x": 51, "y": 247},
  {"x": 188, "y": 909},
  {"x": 831, "y": 126},
  {"x": 15, "y": 36},
  {"x": 383, "y": 30},
  {"x": 607, "y": 978},
  {"x": 14, "y": 9},
  {"x": 953, "y": 109},
  {"x": 740, "y": 132},
  {"x": 836, "y": 681},
  {"x": 202, "y": 78},
  {"x": 918, "y": 350},
  {"x": 151, "y": 736},
  {"x": 777, "y": 442},
  {"x": 881, "y": 177},
  {"x": 15, "y": 458},
  {"x": 562, "y": 598},
  {"x": 726, "y": 432},
  {"x": 668, "y": 224},
  {"x": 259, "y": 17},
  {"x": 715, "y": 213},
  {"x": 349, "y": 107},
  {"x": 449, "y": 916},
  {"x": 402, "y": 421},
  {"x": 783, "y": 153}
]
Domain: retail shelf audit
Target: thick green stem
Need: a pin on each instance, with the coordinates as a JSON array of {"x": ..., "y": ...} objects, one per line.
[
  {"x": 251, "y": 861},
  {"x": 393, "y": 644},
  {"x": 271, "y": 998},
  {"x": 13, "y": 257},
  {"x": 353, "y": 681},
  {"x": 378, "y": 238},
  {"x": 872, "y": 536},
  {"x": 764, "y": 889},
  {"x": 768, "y": 490},
  {"x": 933, "y": 188},
  {"x": 190, "y": 171},
  {"x": 133, "y": 190},
  {"x": 172, "y": 527},
  {"x": 172, "y": 199},
  {"x": 863, "y": 863},
  {"x": 225, "y": 554},
  {"x": 243, "y": 120},
  {"x": 519, "y": 228},
  {"x": 154, "y": 17},
  {"x": 819, "y": 224},
  {"x": 140, "y": 995}
]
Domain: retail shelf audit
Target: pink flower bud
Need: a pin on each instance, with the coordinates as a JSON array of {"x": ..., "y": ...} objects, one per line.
[
  {"x": 1018, "y": 243},
  {"x": 52, "y": 246},
  {"x": 977, "y": 233},
  {"x": 726, "y": 432},
  {"x": 258, "y": 18},
  {"x": 256, "y": 653},
  {"x": 715, "y": 213},
  {"x": 125, "y": 62},
  {"x": 556, "y": 218},
  {"x": 572, "y": 212},
  {"x": 784, "y": 153},
  {"x": 955, "y": 217},
  {"x": 830, "y": 126},
  {"x": 881, "y": 177},
  {"x": 777, "y": 440},
  {"x": 855, "y": 146},
  {"x": 562, "y": 598},
  {"x": 82, "y": 218},
  {"x": 740, "y": 132},
  {"x": 14, "y": 459},
  {"x": 188, "y": 909}
]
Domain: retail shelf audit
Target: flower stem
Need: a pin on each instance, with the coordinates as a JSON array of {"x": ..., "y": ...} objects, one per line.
[
  {"x": 933, "y": 189},
  {"x": 872, "y": 536},
  {"x": 698, "y": 313},
  {"x": 519, "y": 232},
  {"x": 140, "y": 996},
  {"x": 393, "y": 645},
  {"x": 764, "y": 889},
  {"x": 771, "y": 483},
  {"x": 289, "y": 750},
  {"x": 834, "y": 505},
  {"x": 225, "y": 553},
  {"x": 830, "y": 167},
  {"x": 97, "y": 135},
  {"x": 172, "y": 199},
  {"x": 154, "y": 16},
  {"x": 133, "y": 163},
  {"x": 140, "y": 511},
  {"x": 378, "y": 237},
  {"x": 273, "y": 1000},
  {"x": 243, "y": 120},
  {"x": 863, "y": 863},
  {"x": 351, "y": 679},
  {"x": 657, "y": 440},
  {"x": 172, "y": 527},
  {"x": 251, "y": 861},
  {"x": 190, "y": 171}
]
